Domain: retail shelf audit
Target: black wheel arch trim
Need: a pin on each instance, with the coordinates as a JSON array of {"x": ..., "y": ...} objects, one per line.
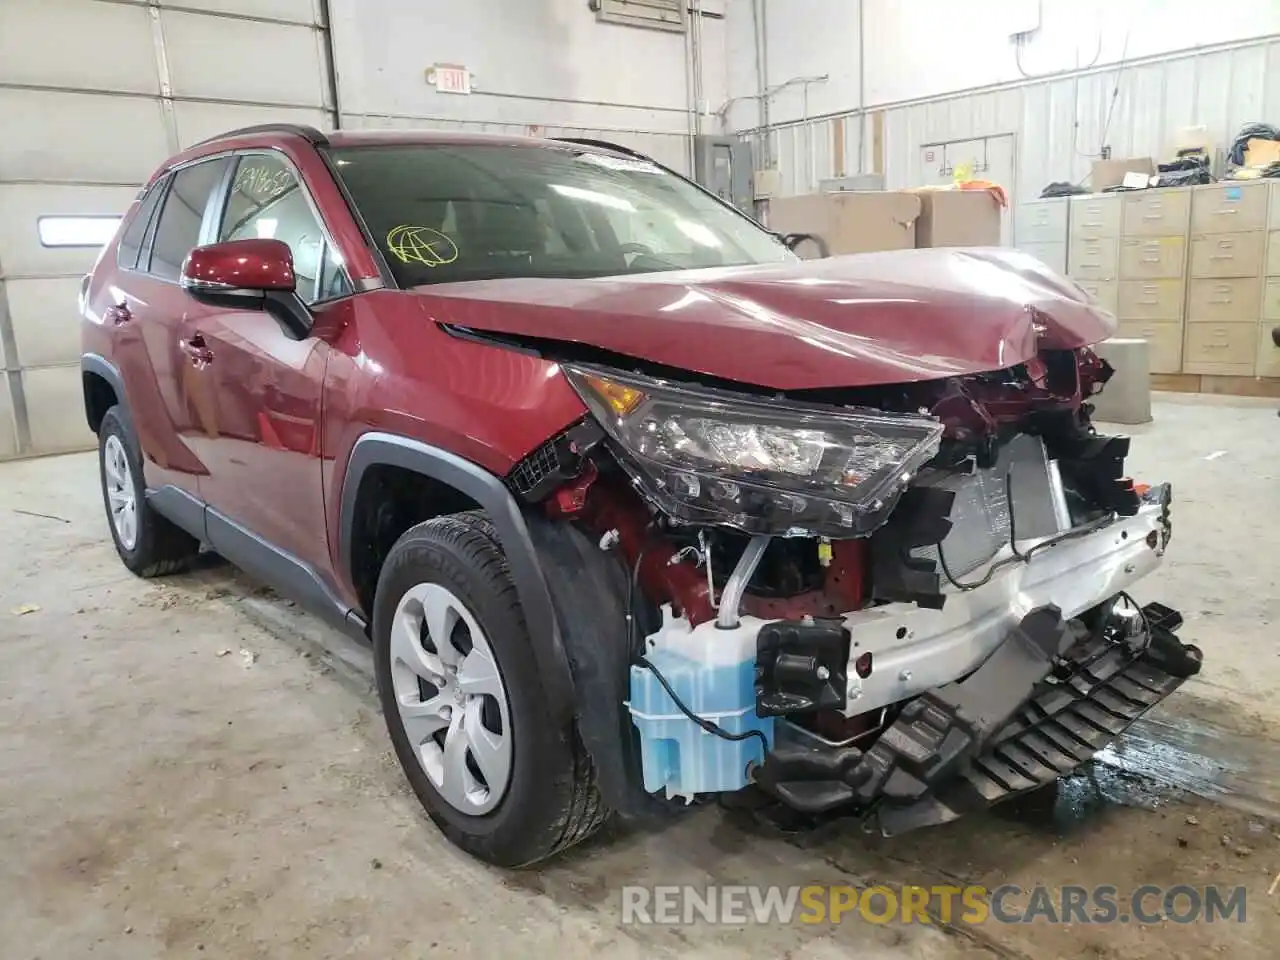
[
  {"x": 104, "y": 368},
  {"x": 491, "y": 494}
]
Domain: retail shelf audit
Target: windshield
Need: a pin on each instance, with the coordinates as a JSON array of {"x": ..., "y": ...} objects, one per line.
[{"x": 479, "y": 212}]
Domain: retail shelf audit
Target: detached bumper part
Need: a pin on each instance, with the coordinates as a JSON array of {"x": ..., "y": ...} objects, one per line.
[
  {"x": 1060, "y": 727},
  {"x": 1040, "y": 706}
]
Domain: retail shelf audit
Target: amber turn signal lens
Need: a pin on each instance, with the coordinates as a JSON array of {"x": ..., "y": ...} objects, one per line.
[{"x": 620, "y": 398}]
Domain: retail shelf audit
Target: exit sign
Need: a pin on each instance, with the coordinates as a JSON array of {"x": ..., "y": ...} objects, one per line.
[{"x": 449, "y": 78}]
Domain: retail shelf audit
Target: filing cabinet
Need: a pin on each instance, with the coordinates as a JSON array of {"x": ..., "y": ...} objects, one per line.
[
  {"x": 1229, "y": 206},
  {"x": 1105, "y": 292},
  {"x": 1156, "y": 213},
  {"x": 1152, "y": 258},
  {"x": 1194, "y": 271}
]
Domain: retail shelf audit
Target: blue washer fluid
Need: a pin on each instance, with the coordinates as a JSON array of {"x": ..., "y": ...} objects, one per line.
[{"x": 679, "y": 757}]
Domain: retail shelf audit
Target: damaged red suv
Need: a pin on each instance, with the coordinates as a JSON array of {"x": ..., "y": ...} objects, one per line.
[{"x": 634, "y": 506}]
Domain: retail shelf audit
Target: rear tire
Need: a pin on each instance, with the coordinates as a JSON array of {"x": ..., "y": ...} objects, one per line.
[
  {"x": 543, "y": 798},
  {"x": 148, "y": 544}
]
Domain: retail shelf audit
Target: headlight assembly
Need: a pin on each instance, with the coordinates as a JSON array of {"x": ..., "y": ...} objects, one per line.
[{"x": 762, "y": 466}]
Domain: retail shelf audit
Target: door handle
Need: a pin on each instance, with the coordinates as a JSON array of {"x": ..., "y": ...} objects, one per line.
[
  {"x": 196, "y": 350},
  {"x": 118, "y": 313}
]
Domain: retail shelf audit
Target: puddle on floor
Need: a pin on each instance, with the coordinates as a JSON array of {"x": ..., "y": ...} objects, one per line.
[
  {"x": 1173, "y": 751},
  {"x": 1168, "y": 755}
]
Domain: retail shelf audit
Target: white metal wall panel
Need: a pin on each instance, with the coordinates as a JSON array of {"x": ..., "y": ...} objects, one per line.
[
  {"x": 1060, "y": 125},
  {"x": 1248, "y": 86},
  {"x": 55, "y": 409},
  {"x": 77, "y": 44},
  {"x": 79, "y": 137},
  {"x": 290, "y": 11},
  {"x": 21, "y": 254},
  {"x": 94, "y": 95},
  {"x": 200, "y": 121},
  {"x": 4, "y": 335},
  {"x": 1271, "y": 96},
  {"x": 543, "y": 63},
  {"x": 38, "y": 310},
  {"x": 249, "y": 61},
  {"x": 670, "y": 149},
  {"x": 8, "y": 429}
]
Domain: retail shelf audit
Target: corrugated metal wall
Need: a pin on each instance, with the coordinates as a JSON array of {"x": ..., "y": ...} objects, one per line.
[
  {"x": 1058, "y": 124},
  {"x": 93, "y": 96}
]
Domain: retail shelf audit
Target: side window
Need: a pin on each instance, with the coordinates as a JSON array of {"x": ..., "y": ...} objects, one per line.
[
  {"x": 268, "y": 203},
  {"x": 179, "y": 227},
  {"x": 131, "y": 242}
]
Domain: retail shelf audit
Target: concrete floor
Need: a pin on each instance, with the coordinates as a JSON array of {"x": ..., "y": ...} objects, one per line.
[{"x": 192, "y": 766}]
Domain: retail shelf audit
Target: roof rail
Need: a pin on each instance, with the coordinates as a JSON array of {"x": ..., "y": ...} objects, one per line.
[
  {"x": 310, "y": 134},
  {"x": 604, "y": 145}
]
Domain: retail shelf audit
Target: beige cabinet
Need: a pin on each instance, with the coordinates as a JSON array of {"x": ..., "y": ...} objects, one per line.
[
  {"x": 1156, "y": 213},
  {"x": 1105, "y": 292},
  {"x": 1221, "y": 349},
  {"x": 1041, "y": 221},
  {"x": 1227, "y": 254},
  {"x": 1052, "y": 254},
  {"x": 1237, "y": 299},
  {"x": 1268, "y": 361},
  {"x": 1229, "y": 207},
  {"x": 1156, "y": 258},
  {"x": 1096, "y": 215},
  {"x": 1194, "y": 271},
  {"x": 1092, "y": 258},
  {"x": 1151, "y": 299},
  {"x": 1164, "y": 342},
  {"x": 1272, "y": 266},
  {"x": 1271, "y": 299}
]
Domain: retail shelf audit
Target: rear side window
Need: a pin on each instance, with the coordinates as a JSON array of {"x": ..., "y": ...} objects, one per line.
[
  {"x": 184, "y": 206},
  {"x": 131, "y": 242}
]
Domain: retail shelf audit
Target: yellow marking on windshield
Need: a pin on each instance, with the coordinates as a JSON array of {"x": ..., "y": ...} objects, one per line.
[{"x": 431, "y": 248}]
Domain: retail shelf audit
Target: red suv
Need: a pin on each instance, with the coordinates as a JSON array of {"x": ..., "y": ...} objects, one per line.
[{"x": 634, "y": 506}]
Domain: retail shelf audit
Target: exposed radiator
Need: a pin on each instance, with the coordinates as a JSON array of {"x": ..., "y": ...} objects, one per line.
[{"x": 981, "y": 515}]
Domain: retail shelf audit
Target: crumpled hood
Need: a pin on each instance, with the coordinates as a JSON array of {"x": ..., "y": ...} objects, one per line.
[{"x": 861, "y": 320}]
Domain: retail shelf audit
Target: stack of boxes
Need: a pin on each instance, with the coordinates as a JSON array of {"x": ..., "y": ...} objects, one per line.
[{"x": 1194, "y": 271}]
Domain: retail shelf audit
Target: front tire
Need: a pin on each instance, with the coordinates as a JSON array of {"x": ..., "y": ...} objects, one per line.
[
  {"x": 464, "y": 702},
  {"x": 148, "y": 544}
]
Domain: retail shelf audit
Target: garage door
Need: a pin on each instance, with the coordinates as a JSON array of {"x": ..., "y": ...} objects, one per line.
[{"x": 93, "y": 95}]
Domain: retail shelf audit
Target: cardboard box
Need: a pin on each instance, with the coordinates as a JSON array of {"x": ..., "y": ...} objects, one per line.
[
  {"x": 851, "y": 222},
  {"x": 1261, "y": 153},
  {"x": 958, "y": 218},
  {"x": 1110, "y": 173}
]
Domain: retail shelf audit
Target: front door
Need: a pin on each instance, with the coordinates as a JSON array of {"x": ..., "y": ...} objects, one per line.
[{"x": 257, "y": 394}]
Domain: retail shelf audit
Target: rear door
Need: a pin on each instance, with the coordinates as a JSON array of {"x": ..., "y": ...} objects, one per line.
[{"x": 148, "y": 311}]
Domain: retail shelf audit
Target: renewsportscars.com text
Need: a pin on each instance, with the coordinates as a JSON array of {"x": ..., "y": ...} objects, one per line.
[{"x": 745, "y": 904}]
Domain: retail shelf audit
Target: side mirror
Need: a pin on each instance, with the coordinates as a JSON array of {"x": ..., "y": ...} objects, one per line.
[
  {"x": 794, "y": 240},
  {"x": 249, "y": 274}
]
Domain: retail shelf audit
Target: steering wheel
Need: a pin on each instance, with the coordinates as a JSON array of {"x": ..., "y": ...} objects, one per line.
[{"x": 639, "y": 249}]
